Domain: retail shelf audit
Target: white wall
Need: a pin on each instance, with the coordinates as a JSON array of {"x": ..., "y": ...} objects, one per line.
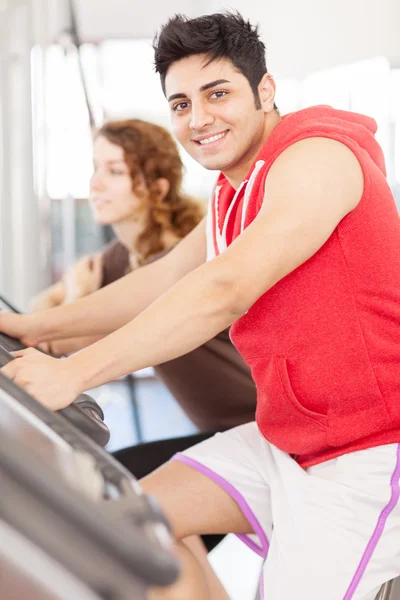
[
  {"x": 301, "y": 36},
  {"x": 106, "y": 19},
  {"x": 23, "y": 238},
  {"x": 310, "y": 35}
]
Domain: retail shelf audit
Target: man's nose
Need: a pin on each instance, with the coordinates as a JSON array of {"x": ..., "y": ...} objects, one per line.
[{"x": 200, "y": 117}]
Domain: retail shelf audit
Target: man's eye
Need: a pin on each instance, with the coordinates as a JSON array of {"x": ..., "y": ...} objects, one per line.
[
  {"x": 116, "y": 172},
  {"x": 218, "y": 94},
  {"x": 180, "y": 106}
]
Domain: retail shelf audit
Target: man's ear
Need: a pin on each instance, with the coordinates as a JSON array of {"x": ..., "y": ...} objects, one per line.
[{"x": 266, "y": 91}]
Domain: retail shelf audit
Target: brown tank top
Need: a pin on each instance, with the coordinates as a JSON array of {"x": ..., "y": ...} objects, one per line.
[{"x": 212, "y": 383}]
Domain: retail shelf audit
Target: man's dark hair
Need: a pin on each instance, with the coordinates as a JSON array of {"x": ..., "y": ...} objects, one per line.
[{"x": 221, "y": 35}]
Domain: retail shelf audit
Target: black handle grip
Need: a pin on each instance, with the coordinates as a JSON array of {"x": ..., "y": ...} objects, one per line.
[
  {"x": 87, "y": 415},
  {"x": 84, "y": 413}
]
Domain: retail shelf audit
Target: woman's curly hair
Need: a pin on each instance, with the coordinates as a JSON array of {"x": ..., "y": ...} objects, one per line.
[{"x": 150, "y": 152}]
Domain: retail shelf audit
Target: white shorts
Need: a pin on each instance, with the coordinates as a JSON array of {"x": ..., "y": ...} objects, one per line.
[{"x": 331, "y": 532}]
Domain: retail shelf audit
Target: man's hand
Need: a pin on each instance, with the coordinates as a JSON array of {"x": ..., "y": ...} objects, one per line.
[
  {"x": 47, "y": 379},
  {"x": 83, "y": 278}
]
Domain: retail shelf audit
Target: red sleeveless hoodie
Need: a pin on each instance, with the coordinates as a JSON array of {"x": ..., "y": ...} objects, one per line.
[{"x": 323, "y": 344}]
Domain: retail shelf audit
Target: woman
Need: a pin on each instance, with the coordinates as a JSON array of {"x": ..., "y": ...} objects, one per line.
[{"x": 136, "y": 188}]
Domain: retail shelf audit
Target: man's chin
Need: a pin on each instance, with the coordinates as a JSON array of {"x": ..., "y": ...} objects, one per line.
[{"x": 213, "y": 164}]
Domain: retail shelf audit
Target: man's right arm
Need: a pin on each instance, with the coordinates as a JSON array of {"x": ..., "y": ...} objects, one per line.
[{"x": 116, "y": 304}]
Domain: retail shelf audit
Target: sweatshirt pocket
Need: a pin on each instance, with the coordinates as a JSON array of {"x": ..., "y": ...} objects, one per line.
[{"x": 282, "y": 419}]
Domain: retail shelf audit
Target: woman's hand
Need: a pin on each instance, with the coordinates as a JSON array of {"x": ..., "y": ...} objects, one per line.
[
  {"x": 22, "y": 327},
  {"x": 83, "y": 278},
  {"x": 49, "y": 380}
]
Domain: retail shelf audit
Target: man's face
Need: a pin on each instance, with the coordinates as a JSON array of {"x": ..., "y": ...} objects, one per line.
[{"x": 214, "y": 115}]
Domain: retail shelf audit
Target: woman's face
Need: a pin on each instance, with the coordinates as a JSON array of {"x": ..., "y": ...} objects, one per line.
[{"x": 111, "y": 196}]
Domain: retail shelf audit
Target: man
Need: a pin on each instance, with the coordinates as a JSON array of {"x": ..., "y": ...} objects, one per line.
[{"x": 304, "y": 261}]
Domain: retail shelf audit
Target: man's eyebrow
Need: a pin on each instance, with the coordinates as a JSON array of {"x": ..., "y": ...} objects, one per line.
[
  {"x": 175, "y": 96},
  {"x": 203, "y": 88},
  {"x": 212, "y": 84}
]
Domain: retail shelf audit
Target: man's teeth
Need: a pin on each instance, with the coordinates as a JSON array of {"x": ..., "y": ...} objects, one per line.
[{"x": 214, "y": 138}]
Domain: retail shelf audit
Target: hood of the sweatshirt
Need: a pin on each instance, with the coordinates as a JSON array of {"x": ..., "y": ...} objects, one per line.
[{"x": 327, "y": 122}]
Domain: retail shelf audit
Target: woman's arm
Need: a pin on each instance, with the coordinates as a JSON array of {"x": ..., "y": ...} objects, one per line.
[
  {"x": 116, "y": 304},
  {"x": 49, "y": 298},
  {"x": 79, "y": 281},
  {"x": 70, "y": 345},
  {"x": 84, "y": 278}
]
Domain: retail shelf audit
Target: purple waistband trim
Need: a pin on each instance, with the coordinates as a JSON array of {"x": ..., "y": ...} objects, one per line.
[
  {"x": 383, "y": 517},
  {"x": 238, "y": 498}
]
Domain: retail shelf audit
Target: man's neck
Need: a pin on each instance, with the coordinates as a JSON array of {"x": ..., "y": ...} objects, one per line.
[{"x": 237, "y": 175}]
